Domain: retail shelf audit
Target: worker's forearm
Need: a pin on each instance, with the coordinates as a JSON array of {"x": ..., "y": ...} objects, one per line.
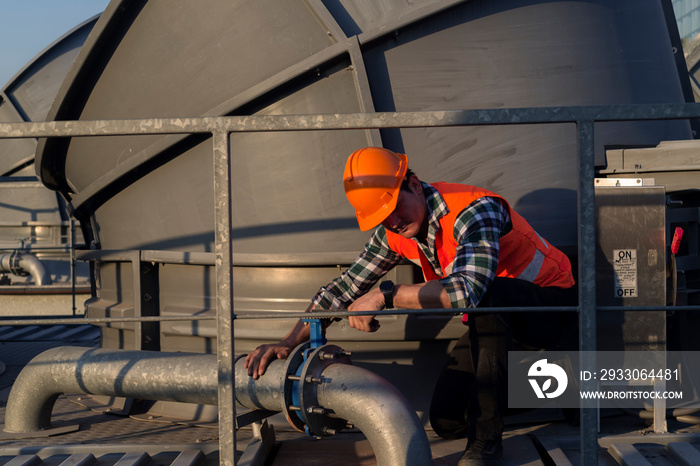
[
  {"x": 299, "y": 333},
  {"x": 427, "y": 295}
]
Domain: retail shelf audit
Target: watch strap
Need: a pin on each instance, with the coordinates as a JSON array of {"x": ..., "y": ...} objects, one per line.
[{"x": 387, "y": 289}]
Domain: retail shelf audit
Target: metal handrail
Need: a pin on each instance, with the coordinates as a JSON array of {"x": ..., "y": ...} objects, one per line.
[
  {"x": 274, "y": 123},
  {"x": 81, "y": 320}
]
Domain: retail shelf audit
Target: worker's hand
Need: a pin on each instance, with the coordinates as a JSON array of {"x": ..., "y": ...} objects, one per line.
[
  {"x": 371, "y": 301},
  {"x": 257, "y": 361}
]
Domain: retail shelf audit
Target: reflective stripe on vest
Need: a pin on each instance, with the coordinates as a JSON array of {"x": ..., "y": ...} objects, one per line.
[{"x": 533, "y": 269}]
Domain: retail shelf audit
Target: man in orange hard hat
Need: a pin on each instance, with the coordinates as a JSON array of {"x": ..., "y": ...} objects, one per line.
[{"x": 474, "y": 250}]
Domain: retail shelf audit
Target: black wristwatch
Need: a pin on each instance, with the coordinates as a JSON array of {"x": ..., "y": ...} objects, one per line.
[{"x": 387, "y": 289}]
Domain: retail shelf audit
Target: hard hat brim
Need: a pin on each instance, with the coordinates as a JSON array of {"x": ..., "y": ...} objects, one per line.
[{"x": 366, "y": 223}]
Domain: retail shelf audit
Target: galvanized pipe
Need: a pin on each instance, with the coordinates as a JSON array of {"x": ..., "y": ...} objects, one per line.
[
  {"x": 380, "y": 411},
  {"x": 359, "y": 396},
  {"x": 183, "y": 377},
  {"x": 267, "y": 392},
  {"x": 27, "y": 263}
]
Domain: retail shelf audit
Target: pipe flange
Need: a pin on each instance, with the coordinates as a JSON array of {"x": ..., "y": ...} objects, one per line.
[
  {"x": 15, "y": 267},
  {"x": 293, "y": 366},
  {"x": 317, "y": 417}
]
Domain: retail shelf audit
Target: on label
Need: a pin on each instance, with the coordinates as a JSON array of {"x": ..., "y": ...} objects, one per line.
[{"x": 625, "y": 267}]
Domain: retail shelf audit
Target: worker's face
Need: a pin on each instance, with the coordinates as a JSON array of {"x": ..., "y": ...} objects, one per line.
[{"x": 409, "y": 217}]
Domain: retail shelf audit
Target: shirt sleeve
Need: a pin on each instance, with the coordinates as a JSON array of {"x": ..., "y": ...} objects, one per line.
[
  {"x": 477, "y": 230},
  {"x": 372, "y": 264}
]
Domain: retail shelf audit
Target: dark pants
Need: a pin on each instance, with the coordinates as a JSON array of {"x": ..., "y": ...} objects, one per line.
[{"x": 470, "y": 396}]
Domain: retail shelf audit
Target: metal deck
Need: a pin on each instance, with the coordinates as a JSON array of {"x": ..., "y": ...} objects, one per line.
[{"x": 108, "y": 439}]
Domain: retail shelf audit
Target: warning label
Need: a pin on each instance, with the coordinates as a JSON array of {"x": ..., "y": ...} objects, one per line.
[{"x": 625, "y": 267}]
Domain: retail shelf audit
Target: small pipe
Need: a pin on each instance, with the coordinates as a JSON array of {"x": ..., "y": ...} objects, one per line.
[{"x": 28, "y": 263}]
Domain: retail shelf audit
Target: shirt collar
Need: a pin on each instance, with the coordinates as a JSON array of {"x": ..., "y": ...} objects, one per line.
[{"x": 437, "y": 207}]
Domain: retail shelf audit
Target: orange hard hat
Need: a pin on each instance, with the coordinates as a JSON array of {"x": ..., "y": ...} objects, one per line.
[{"x": 372, "y": 181}]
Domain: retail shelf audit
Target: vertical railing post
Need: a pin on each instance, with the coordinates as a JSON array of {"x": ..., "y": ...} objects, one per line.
[
  {"x": 71, "y": 245},
  {"x": 586, "y": 283},
  {"x": 224, "y": 297}
]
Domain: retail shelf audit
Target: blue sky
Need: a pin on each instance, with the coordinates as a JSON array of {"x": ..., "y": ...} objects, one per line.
[{"x": 29, "y": 26}]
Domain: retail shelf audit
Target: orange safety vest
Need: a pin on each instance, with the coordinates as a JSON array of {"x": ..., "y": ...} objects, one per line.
[{"x": 522, "y": 254}]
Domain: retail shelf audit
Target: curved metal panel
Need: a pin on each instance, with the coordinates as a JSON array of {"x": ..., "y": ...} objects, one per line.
[
  {"x": 30, "y": 93},
  {"x": 34, "y": 87}
]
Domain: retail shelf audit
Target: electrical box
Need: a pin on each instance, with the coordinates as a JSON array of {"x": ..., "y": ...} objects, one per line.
[{"x": 631, "y": 265}]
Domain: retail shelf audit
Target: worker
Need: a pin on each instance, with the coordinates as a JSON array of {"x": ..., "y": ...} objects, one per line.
[{"x": 474, "y": 251}]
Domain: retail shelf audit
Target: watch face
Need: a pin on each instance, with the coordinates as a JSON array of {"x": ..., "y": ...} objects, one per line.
[{"x": 386, "y": 286}]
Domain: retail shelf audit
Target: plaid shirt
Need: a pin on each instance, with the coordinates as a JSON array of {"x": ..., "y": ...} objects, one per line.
[{"x": 477, "y": 230}]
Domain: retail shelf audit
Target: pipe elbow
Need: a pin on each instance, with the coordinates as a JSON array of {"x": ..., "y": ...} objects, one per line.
[
  {"x": 180, "y": 377},
  {"x": 380, "y": 411},
  {"x": 341, "y": 392},
  {"x": 33, "y": 395},
  {"x": 19, "y": 262},
  {"x": 36, "y": 269}
]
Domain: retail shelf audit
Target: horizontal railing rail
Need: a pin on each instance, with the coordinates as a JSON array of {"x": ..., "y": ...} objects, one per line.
[{"x": 230, "y": 124}]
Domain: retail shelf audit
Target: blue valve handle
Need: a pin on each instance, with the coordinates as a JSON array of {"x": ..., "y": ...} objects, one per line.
[{"x": 317, "y": 337}]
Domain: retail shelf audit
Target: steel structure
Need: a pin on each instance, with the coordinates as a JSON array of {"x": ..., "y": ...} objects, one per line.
[
  {"x": 152, "y": 192},
  {"x": 583, "y": 117},
  {"x": 36, "y": 236}
]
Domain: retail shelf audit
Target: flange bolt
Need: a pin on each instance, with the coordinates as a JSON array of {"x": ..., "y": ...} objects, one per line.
[
  {"x": 315, "y": 410},
  {"x": 327, "y": 356}
]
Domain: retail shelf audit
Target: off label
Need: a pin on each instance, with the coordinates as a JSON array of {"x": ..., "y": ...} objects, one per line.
[{"x": 625, "y": 267}]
